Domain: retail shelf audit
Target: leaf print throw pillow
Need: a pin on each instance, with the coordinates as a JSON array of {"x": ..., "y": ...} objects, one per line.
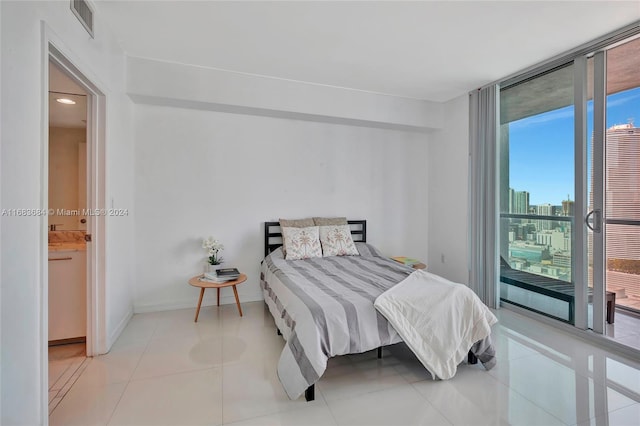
[
  {"x": 337, "y": 241},
  {"x": 302, "y": 243}
]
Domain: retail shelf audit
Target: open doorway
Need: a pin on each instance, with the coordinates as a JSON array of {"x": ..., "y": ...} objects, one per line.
[
  {"x": 73, "y": 232},
  {"x": 67, "y": 247}
]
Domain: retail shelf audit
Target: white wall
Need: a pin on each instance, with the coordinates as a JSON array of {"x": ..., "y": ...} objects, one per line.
[
  {"x": 201, "y": 173},
  {"x": 23, "y": 399},
  {"x": 449, "y": 192},
  {"x": 267, "y": 148},
  {"x": 158, "y": 82}
]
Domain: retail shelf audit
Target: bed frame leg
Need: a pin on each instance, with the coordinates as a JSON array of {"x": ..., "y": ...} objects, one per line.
[
  {"x": 471, "y": 358},
  {"x": 380, "y": 352},
  {"x": 310, "y": 393}
]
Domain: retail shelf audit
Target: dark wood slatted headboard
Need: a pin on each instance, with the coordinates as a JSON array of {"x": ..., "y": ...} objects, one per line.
[{"x": 273, "y": 235}]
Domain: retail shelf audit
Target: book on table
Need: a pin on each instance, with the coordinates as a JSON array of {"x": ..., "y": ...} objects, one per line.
[
  {"x": 409, "y": 261},
  {"x": 228, "y": 273},
  {"x": 213, "y": 278}
]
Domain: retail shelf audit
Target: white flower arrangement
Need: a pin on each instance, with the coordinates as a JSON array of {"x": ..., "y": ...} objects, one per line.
[{"x": 213, "y": 247}]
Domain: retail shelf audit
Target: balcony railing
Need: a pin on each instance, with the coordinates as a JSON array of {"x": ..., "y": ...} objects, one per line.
[
  {"x": 536, "y": 217},
  {"x": 536, "y": 263},
  {"x": 541, "y": 247}
]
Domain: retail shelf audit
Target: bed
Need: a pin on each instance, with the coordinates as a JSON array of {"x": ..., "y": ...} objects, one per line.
[{"x": 324, "y": 307}]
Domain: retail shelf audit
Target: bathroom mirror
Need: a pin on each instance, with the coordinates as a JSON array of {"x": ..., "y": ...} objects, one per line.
[{"x": 67, "y": 153}]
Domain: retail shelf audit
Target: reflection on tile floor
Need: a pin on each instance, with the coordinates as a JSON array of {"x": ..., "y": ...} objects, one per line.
[
  {"x": 166, "y": 369},
  {"x": 625, "y": 329}
]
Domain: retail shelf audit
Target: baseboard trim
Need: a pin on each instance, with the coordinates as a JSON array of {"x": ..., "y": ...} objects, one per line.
[
  {"x": 119, "y": 329},
  {"x": 208, "y": 300},
  {"x": 67, "y": 341}
]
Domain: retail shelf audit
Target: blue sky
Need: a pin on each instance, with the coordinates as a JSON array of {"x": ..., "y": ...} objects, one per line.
[{"x": 541, "y": 147}]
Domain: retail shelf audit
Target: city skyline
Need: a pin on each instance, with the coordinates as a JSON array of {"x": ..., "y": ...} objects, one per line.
[
  {"x": 519, "y": 204},
  {"x": 541, "y": 147},
  {"x": 544, "y": 247}
]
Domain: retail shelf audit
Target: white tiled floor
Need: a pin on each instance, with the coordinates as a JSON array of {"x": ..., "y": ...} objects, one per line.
[{"x": 166, "y": 369}]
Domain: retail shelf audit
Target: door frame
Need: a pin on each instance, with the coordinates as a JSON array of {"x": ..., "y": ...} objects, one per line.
[
  {"x": 54, "y": 50},
  {"x": 599, "y": 155},
  {"x": 583, "y": 218},
  {"x": 579, "y": 255}
]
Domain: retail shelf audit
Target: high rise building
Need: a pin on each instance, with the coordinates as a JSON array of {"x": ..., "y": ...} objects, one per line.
[
  {"x": 622, "y": 201},
  {"x": 567, "y": 207},
  {"x": 518, "y": 201},
  {"x": 622, "y": 189},
  {"x": 544, "y": 210},
  {"x": 623, "y": 172}
]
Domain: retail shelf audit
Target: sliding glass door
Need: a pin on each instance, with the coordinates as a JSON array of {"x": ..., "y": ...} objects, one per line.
[
  {"x": 537, "y": 186},
  {"x": 569, "y": 185},
  {"x": 614, "y": 258}
]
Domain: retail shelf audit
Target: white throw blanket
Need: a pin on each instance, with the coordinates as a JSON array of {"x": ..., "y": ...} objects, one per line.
[{"x": 438, "y": 319}]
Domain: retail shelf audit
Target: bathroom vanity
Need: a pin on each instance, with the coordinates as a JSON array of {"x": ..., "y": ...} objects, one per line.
[{"x": 67, "y": 292}]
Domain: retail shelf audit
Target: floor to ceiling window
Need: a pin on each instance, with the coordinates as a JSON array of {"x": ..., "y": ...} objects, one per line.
[
  {"x": 536, "y": 193},
  {"x": 569, "y": 187},
  {"x": 567, "y": 177},
  {"x": 614, "y": 188}
]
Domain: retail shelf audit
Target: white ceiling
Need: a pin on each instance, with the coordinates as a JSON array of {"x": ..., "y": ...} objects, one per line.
[{"x": 433, "y": 50}]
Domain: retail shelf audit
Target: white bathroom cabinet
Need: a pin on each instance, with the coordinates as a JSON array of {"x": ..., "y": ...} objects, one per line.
[{"x": 67, "y": 295}]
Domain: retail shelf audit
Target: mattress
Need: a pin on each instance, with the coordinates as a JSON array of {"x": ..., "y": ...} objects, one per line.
[{"x": 324, "y": 308}]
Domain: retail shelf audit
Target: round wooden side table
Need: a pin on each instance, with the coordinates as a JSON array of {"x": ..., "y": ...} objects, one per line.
[{"x": 198, "y": 282}]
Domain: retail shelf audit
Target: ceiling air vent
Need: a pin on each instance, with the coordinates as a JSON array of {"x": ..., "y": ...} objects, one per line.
[{"x": 83, "y": 12}]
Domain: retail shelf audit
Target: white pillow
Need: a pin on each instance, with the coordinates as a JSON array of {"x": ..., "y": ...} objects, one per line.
[
  {"x": 337, "y": 241},
  {"x": 301, "y": 243}
]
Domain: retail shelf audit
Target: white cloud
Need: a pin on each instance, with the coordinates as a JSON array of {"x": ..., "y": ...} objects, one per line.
[
  {"x": 620, "y": 99},
  {"x": 568, "y": 112},
  {"x": 562, "y": 113}
]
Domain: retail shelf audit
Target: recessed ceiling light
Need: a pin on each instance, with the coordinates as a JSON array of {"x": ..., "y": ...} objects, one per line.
[{"x": 66, "y": 101}]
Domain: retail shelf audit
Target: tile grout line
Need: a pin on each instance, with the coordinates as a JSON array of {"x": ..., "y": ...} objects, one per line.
[
  {"x": 134, "y": 369},
  {"x": 451, "y": 422},
  {"x": 497, "y": 379},
  {"x": 174, "y": 373},
  {"x": 530, "y": 401},
  {"x": 333, "y": 415},
  {"x": 62, "y": 392},
  {"x": 115, "y": 407},
  {"x": 222, "y": 382},
  {"x": 59, "y": 377}
]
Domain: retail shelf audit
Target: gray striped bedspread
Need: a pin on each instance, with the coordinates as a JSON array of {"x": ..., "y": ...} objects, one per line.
[{"x": 324, "y": 308}]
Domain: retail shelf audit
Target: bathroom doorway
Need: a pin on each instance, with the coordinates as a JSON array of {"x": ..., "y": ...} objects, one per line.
[
  {"x": 67, "y": 210},
  {"x": 73, "y": 194}
]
